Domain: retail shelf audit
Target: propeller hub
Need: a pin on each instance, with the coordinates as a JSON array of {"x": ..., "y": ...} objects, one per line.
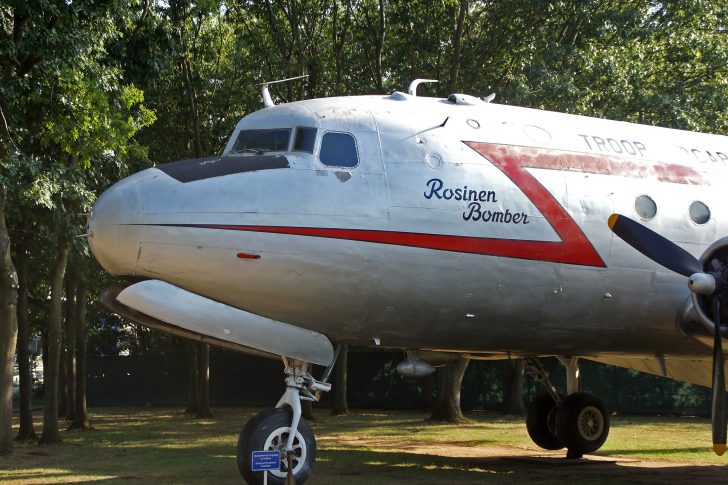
[{"x": 702, "y": 283}]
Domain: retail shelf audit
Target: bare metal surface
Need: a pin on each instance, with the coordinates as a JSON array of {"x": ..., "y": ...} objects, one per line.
[
  {"x": 694, "y": 371},
  {"x": 181, "y": 308},
  {"x": 108, "y": 299},
  {"x": 418, "y": 298}
]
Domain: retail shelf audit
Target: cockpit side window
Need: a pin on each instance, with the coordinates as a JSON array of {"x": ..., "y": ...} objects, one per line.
[
  {"x": 338, "y": 150},
  {"x": 260, "y": 141},
  {"x": 304, "y": 140}
]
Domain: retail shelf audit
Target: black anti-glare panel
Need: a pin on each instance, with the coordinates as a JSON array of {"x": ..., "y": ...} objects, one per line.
[{"x": 205, "y": 168}]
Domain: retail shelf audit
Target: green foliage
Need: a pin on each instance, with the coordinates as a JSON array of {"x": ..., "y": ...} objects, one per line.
[{"x": 648, "y": 62}]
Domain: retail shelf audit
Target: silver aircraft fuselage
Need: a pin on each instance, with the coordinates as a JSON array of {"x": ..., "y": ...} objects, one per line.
[{"x": 464, "y": 226}]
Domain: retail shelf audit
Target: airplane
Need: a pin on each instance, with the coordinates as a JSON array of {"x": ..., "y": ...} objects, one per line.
[{"x": 445, "y": 227}]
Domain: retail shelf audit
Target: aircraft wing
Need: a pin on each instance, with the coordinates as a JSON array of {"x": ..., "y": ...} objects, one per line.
[{"x": 693, "y": 370}]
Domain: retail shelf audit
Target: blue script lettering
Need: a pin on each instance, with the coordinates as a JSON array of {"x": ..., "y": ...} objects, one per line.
[
  {"x": 436, "y": 188},
  {"x": 476, "y": 213}
]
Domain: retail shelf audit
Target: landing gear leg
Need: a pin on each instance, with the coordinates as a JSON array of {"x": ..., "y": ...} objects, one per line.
[
  {"x": 578, "y": 422},
  {"x": 284, "y": 430}
]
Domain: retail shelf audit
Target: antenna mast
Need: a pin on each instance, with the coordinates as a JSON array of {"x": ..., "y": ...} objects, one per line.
[{"x": 267, "y": 100}]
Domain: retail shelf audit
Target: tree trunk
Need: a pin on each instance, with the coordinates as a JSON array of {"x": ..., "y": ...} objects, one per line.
[
  {"x": 80, "y": 414},
  {"x": 380, "y": 46},
  {"x": 26, "y": 430},
  {"x": 336, "y": 47},
  {"x": 193, "y": 402},
  {"x": 298, "y": 45},
  {"x": 198, "y": 354},
  {"x": 62, "y": 392},
  {"x": 428, "y": 389},
  {"x": 438, "y": 403},
  {"x": 456, "y": 47},
  {"x": 71, "y": 325},
  {"x": 192, "y": 99},
  {"x": 447, "y": 404},
  {"x": 50, "y": 373},
  {"x": 203, "y": 381},
  {"x": 514, "y": 387},
  {"x": 340, "y": 404},
  {"x": 8, "y": 330}
]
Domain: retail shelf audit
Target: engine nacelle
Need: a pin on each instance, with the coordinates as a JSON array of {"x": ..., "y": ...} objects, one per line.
[
  {"x": 163, "y": 306},
  {"x": 715, "y": 263}
]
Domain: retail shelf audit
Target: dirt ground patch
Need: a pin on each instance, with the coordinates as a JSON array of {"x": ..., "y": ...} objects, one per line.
[{"x": 517, "y": 464}]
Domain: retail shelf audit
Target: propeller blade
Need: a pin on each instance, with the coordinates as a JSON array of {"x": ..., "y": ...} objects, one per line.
[
  {"x": 660, "y": 250},
  {"x": 718, "y": 404}
]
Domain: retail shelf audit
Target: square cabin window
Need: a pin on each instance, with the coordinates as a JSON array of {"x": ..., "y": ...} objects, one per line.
[
  {"x": 338, "y": 150},
  {"x": 305, "y": 139}
]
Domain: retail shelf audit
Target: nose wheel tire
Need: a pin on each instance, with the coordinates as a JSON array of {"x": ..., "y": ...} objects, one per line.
[
  {"x": 268, "y": 431},
  {"x": 582, "y": 424},
  {"x": 541, "y": 422}
]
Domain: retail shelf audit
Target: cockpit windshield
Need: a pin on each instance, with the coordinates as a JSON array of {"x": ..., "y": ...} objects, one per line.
[{"x": 260, "y": 141}]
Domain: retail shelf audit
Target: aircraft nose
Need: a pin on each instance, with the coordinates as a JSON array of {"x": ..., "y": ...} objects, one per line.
[{"x": 114, "y": 229}]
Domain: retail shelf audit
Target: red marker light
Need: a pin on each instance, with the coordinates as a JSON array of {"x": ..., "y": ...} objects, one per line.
[{"x": 248, "y": 256}]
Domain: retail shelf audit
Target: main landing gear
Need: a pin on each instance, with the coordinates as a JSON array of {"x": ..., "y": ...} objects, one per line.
[
  {"x": 283, "y": 429},
  {"x": 579, "y": 422}
]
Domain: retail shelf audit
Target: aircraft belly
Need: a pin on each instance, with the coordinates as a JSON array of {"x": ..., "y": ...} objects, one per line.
[{"x": 414, "y": 297}]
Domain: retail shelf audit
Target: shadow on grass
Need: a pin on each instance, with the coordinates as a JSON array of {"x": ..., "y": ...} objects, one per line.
[
  {"x": 375, "y": 467},
  {"x": 659, "y": 451}
]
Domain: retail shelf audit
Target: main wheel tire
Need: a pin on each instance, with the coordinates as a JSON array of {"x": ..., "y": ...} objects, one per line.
[
  {"x": 269, "y": 430},
  {"x": 582, "y": 423},
  {"x": 540, "y": 422}
]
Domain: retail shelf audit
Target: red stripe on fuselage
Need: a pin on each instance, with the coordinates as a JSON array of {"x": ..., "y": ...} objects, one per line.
[
  {"x": 574, "y": 246},
  {"x": 506, "y": 156},
  {"x": 509, "y": 248}
]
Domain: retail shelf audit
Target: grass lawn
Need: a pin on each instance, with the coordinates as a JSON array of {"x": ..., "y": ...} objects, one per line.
[{"x": 163, "y": 446}]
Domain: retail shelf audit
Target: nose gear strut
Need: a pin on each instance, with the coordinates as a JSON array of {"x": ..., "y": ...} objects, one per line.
[{"x": 300, "y": 386}]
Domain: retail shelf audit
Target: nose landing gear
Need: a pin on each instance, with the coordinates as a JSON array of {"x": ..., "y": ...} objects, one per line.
[
  {"x": 283, "y": 429},
  {"x": 578, "y": 422},
  {"x": 269, "y": 431}
]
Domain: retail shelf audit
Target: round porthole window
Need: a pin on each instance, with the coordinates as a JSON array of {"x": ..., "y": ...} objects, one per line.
[
  {"x": 473, "y": 123},
  {"x": 699, "y": 212},
  {"x": 645, "y": 207}
]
